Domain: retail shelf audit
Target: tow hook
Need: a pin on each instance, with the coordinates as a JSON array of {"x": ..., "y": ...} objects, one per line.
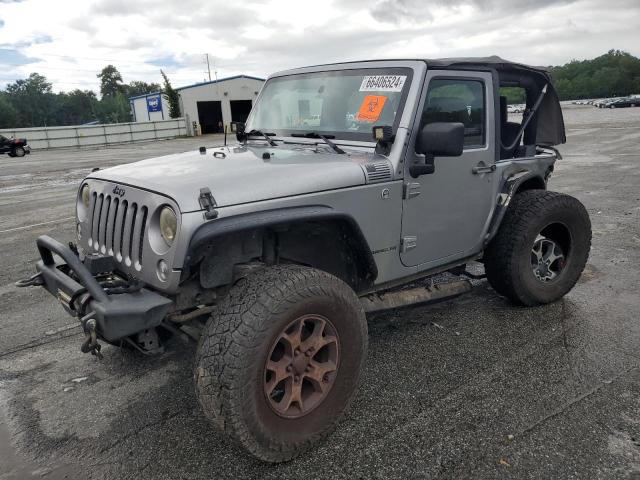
[{"x": 91, "y": 339}]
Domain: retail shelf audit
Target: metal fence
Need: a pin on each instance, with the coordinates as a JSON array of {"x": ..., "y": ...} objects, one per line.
[{"x": 98, "y": 135}]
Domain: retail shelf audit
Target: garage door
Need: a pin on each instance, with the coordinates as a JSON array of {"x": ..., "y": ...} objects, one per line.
[
  {"x": 210, "y": 116},
  {"x": 240, "y": 110}
]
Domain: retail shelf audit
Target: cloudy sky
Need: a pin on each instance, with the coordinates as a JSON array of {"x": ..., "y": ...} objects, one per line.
[{"x": 69, "y": 41}]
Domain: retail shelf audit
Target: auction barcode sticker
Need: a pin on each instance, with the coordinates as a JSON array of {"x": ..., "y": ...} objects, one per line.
[{"x": 383, "y": 83}]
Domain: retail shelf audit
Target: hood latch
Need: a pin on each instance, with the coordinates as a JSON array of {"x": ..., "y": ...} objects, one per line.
[{"x": 208, "y": 203}]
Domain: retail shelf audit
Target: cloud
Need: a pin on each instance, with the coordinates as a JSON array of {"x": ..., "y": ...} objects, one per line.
[
  {"x": 120, "y": 8},
  {"x": 418, "y": 11},
  {"x": 69, "y": 41}
]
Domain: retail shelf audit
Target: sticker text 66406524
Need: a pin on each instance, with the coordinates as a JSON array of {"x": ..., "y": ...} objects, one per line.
[{"x": 383, "y": 83}]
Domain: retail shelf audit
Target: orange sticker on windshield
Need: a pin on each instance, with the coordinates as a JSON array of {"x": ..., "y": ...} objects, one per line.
[{"x": 371, "y": 108}]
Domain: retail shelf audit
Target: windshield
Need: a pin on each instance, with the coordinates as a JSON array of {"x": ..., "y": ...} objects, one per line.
[{"x": 344, "y": 104}]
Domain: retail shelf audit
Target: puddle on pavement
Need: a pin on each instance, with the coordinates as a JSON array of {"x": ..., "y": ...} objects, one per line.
[{"x": 14, "y": 467}]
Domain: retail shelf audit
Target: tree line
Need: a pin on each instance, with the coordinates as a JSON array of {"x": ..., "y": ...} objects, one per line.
[
  {"x": 31, "y": 102},
  {"x": 614, "y": 74}
]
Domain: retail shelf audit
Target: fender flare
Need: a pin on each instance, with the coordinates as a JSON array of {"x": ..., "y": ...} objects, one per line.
[
  {"x": 270, "y": 218},
  {"x": 509, "y": 188}
]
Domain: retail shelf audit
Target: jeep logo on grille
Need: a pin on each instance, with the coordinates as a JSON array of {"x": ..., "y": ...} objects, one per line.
[{"x": 118, "y": 191}]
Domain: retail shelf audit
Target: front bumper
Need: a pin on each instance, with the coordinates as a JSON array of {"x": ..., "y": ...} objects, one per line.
[{"x": 63, "y": 275}]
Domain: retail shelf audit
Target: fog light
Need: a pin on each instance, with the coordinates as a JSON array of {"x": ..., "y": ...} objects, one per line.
[{"x": 163, "y": 270}]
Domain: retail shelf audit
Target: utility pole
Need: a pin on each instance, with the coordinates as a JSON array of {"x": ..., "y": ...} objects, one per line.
[
  {"x": 215, "y": 73},
  {"x": 208, "y": 67}
]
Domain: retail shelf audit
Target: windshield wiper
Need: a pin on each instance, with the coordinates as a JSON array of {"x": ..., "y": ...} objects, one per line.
[
  {"x": 262, "y": 134},
  {"x": 324, "y": 138}
]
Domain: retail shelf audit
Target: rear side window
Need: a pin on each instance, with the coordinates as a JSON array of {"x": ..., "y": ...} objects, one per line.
[{"x": 452, "y": 100}]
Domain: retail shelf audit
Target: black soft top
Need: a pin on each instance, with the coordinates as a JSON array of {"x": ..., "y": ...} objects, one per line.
[
  {"x": 493, "y": 62},
  {"x": 548, "y": 127}
]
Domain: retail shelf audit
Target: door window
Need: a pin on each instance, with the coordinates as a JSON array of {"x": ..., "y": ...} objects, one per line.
[{"x": 452, "y": 100}]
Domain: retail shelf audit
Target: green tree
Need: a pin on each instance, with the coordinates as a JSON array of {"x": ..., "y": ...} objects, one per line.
[
  {"x": 33, "y": 100},
  {"x": 172, "y": 95},
  {"x": 76, "y": 107},
  {"x": 615, "y": 73},
  {"x": 8, "y": 114},
  {"x": 110, "y": 81},
  {"x": 137, "y": 87},
  {"x": 114, "y": 109},
  {"x": 515, "y": 95}
]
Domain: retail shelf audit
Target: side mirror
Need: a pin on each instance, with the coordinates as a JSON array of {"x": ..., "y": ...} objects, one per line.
[{"x": 439, "y": 139}]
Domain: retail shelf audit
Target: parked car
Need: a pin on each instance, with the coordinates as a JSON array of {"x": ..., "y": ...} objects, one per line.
[
  {"x": 606, "y": 102},
  {"x": 624, "y": 102},
  {"x": 271, "y": 250},
  {"x": 515, "y": 108},
  {"x": 14, "y": 147}
]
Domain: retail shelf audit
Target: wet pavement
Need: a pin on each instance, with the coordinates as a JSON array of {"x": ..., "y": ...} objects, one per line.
[{"x": 470, "y": 388}]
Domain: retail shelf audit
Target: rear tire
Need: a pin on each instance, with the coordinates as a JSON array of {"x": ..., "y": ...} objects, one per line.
[
  {"x": 254, "y": 329},
  {"x": 540, "y": 249}
]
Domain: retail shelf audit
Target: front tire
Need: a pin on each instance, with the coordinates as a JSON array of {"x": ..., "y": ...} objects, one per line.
[
  {"x": 540, "y": 249},
  {"x": 18, "y": 152},
  {"x": 279, "y": 361}
]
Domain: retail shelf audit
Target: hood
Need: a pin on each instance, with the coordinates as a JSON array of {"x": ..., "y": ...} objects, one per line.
[{"x": 239, "y": 174}]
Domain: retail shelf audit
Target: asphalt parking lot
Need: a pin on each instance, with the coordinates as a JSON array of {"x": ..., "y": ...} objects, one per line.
[{"x": 470, "y": 388}]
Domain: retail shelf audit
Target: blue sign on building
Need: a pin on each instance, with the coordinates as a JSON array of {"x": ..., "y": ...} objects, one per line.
[{"x": 154, "y": 103}]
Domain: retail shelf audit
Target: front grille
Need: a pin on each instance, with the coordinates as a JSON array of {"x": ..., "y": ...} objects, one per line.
[{"x": 117, "y": 228}]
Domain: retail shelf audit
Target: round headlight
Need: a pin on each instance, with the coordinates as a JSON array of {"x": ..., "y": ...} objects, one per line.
[
  {"x": 85, "y": 193},
  {"x": 168, "y": 224}
]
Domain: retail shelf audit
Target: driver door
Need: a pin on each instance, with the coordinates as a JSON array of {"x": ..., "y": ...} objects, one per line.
[{"x": 446, "y": 214}]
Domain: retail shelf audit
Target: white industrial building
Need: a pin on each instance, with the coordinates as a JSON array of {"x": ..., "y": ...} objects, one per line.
[
  {"x": 149, "y": 107},
  {"x": 210, "y": 105},
  {"x": 219, "y": 102}
]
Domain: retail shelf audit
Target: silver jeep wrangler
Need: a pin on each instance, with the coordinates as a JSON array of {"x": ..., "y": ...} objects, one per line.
[{"x": 349, "y": 185}]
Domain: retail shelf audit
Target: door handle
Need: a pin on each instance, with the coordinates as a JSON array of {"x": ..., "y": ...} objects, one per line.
[{"x": 482, "y": 168}]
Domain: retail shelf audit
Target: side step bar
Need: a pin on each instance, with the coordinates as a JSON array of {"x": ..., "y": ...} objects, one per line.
[{"x": 384, "y": 301}]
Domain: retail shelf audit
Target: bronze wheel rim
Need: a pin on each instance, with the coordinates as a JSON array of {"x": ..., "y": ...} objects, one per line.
[{"x": 302, "y": 366}]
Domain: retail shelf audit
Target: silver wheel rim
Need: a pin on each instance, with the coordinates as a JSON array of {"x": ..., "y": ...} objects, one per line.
[{"x": 547, "y": 259}]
